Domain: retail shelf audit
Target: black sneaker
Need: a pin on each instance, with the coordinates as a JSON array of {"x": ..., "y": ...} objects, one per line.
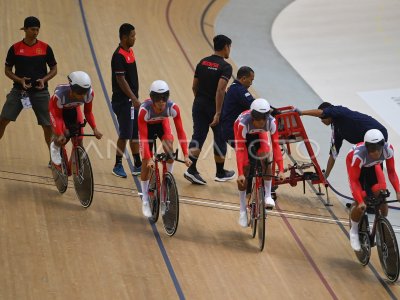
[
  {"x": 227, "y": 175},
  {"x": 194, "y": 177}
]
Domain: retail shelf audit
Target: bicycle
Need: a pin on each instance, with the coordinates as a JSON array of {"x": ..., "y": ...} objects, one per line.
[
  {"x": 164, "y": 195},
  {"x": 256, "y": 207},
  {"x": 386, "y": 242},
  {"x": 78, "y": 166}
]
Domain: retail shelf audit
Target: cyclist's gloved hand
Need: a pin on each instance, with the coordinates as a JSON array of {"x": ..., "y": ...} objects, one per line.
[
  {"x": 188, "y": 162},
  {"x": 150, "y": 164},
  {"x": 61, "y": 139},
  {"x": 241, "y": 180},
  {"x": 281, "y": 175},
  {"x": 97, "y": 133}
]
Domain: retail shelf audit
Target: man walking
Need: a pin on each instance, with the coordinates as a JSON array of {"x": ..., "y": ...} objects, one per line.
[{"x": 209, "y": 84}]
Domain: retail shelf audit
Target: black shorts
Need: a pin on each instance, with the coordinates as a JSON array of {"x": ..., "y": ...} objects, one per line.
[
  {"x": 203, "y": 112},
  {"x": 128, "y": 128},
  {"x": 154, "y": 129},
  {"x": 368, "y": 179}
]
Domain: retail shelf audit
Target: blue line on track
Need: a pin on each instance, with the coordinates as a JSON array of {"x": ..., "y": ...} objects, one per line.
[{"x": 107, "y": 98}]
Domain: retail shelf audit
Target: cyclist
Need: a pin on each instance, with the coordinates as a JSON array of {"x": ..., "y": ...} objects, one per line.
[
  {"x": 364, "y": 168},
  {"x": 251, "y": 136},
  {"x": 65, "y": 114},
  {"x": 153, "y": 119}
]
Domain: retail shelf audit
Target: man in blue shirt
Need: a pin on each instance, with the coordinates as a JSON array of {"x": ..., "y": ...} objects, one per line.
[
  {"x": 237, "y": 100},
  {"x": 346, "y": 125}
]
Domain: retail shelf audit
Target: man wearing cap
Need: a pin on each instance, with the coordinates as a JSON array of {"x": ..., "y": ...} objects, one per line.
[{"x": 30, "y": 57}]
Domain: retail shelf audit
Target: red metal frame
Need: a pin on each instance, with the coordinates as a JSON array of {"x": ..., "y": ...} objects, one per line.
[{"x": 291, "y": 130}]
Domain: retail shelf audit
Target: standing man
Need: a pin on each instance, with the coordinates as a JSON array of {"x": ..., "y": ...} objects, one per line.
[
  {"x": 209, "y": 84},
  {"x": 125, "y": 103},
  {"x": 30, "y": 57},
  {"x": 346, "y": 125},
  {"x": 237, "y": 100}
]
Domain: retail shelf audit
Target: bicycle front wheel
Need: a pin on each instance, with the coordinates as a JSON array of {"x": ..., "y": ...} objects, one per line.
[
  {"x": 363, "y": 234},
  {"x": 82, "y": 176},
  {"x": 170, "y": 204},
  {"x": 60, "y": 173},
  {"x": 261, "y": 219},
  {"x": 154, "y": 196},
  {"x": 388, "y": 250}
]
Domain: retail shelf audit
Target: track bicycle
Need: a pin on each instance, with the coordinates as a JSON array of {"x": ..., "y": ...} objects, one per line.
[
  {"x": 257, "y": 214},
  {"x": 163, "y": 193},
  {"x": 386, "y": 242},
  {"x": 78, "y": 165}
]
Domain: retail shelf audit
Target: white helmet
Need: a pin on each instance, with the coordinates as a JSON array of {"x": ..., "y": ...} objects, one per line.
[
  {"x": 159, "y": 87},
  {"x": 373, "y": 136},
  {"x": 80, "y": 81},
  {"x": 159, "y": 90},
  {"x": 374, "y": 140},
  {"x": 260, "y": 105}
]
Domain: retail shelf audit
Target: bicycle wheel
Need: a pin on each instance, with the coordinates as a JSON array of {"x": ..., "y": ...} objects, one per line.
[
  {"x": 82, "y": 176},
  {"x": 388, "y": 250},
  {"x": 252, "y": 212},
  {"x": 363, "y": 233},
  {"x": 154, "y": 197},
  {"x": 170, "y": 204},
  {"x": 261, "y": 218},
  {"x": 60, "y": 174}
]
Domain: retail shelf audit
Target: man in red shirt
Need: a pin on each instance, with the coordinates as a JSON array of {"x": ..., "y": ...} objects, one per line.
[
  {"x": 153, "y": 120},
  {"x": 366, "y": 176}
]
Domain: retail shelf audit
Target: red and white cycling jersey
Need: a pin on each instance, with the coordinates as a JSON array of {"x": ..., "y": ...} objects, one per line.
[
  {"x": 358, "y": 158},
  {"x": 244, "y": 126},
  {"x": 148, "y": 116},
  {"x": 62, "y": 100}
]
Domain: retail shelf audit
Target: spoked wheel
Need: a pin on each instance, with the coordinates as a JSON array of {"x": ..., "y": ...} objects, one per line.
[
  {"x": 82, "y": 176},
  {"x": 388, "y": 250},
  {"x": 170, "y": 204},
  {"x": 60, "y": 173},
  {"x": 261, "y": 219},
  {"x": 154, "y": 197},
  {"x": 363, "y": 233}
]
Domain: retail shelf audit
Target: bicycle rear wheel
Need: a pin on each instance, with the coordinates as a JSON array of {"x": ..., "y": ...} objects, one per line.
[
  {"x": 60, "y": 174},
  {"x": 261, "y": 218},
  {"x": 388, "y": 250},
  {"x": 363, "y": 233},
  {"x": 170, "y": 204},
  {"x": 82, "y": 176},
  {"x": 154, "y": 196}
]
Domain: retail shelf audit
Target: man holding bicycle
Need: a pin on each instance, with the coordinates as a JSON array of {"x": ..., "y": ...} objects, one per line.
[
  {"x": 366, "y": 176},
  {"x": 153, "y": 120},
  {"x": 65, "y": 114},
  {"x": 252, "y": 142}
]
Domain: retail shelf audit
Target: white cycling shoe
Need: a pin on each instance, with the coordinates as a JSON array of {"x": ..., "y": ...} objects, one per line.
[
  {"x": 146, "y": 209},
  {"x": 243, "y": 219},
  {"x": 355, "y": 241},
  {"x": 269, "y": 202},
  {"x": 55, "y": 154}
]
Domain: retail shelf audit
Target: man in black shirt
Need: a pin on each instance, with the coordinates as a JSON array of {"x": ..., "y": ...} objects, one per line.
[
  {"x": 209, "y": 84},
  {"x": 30, "y": 57},
  {"x": 125, "y": 103}
]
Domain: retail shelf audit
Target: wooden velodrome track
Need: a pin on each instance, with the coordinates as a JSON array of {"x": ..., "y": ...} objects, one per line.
[{"x": 52, "y": 248}]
